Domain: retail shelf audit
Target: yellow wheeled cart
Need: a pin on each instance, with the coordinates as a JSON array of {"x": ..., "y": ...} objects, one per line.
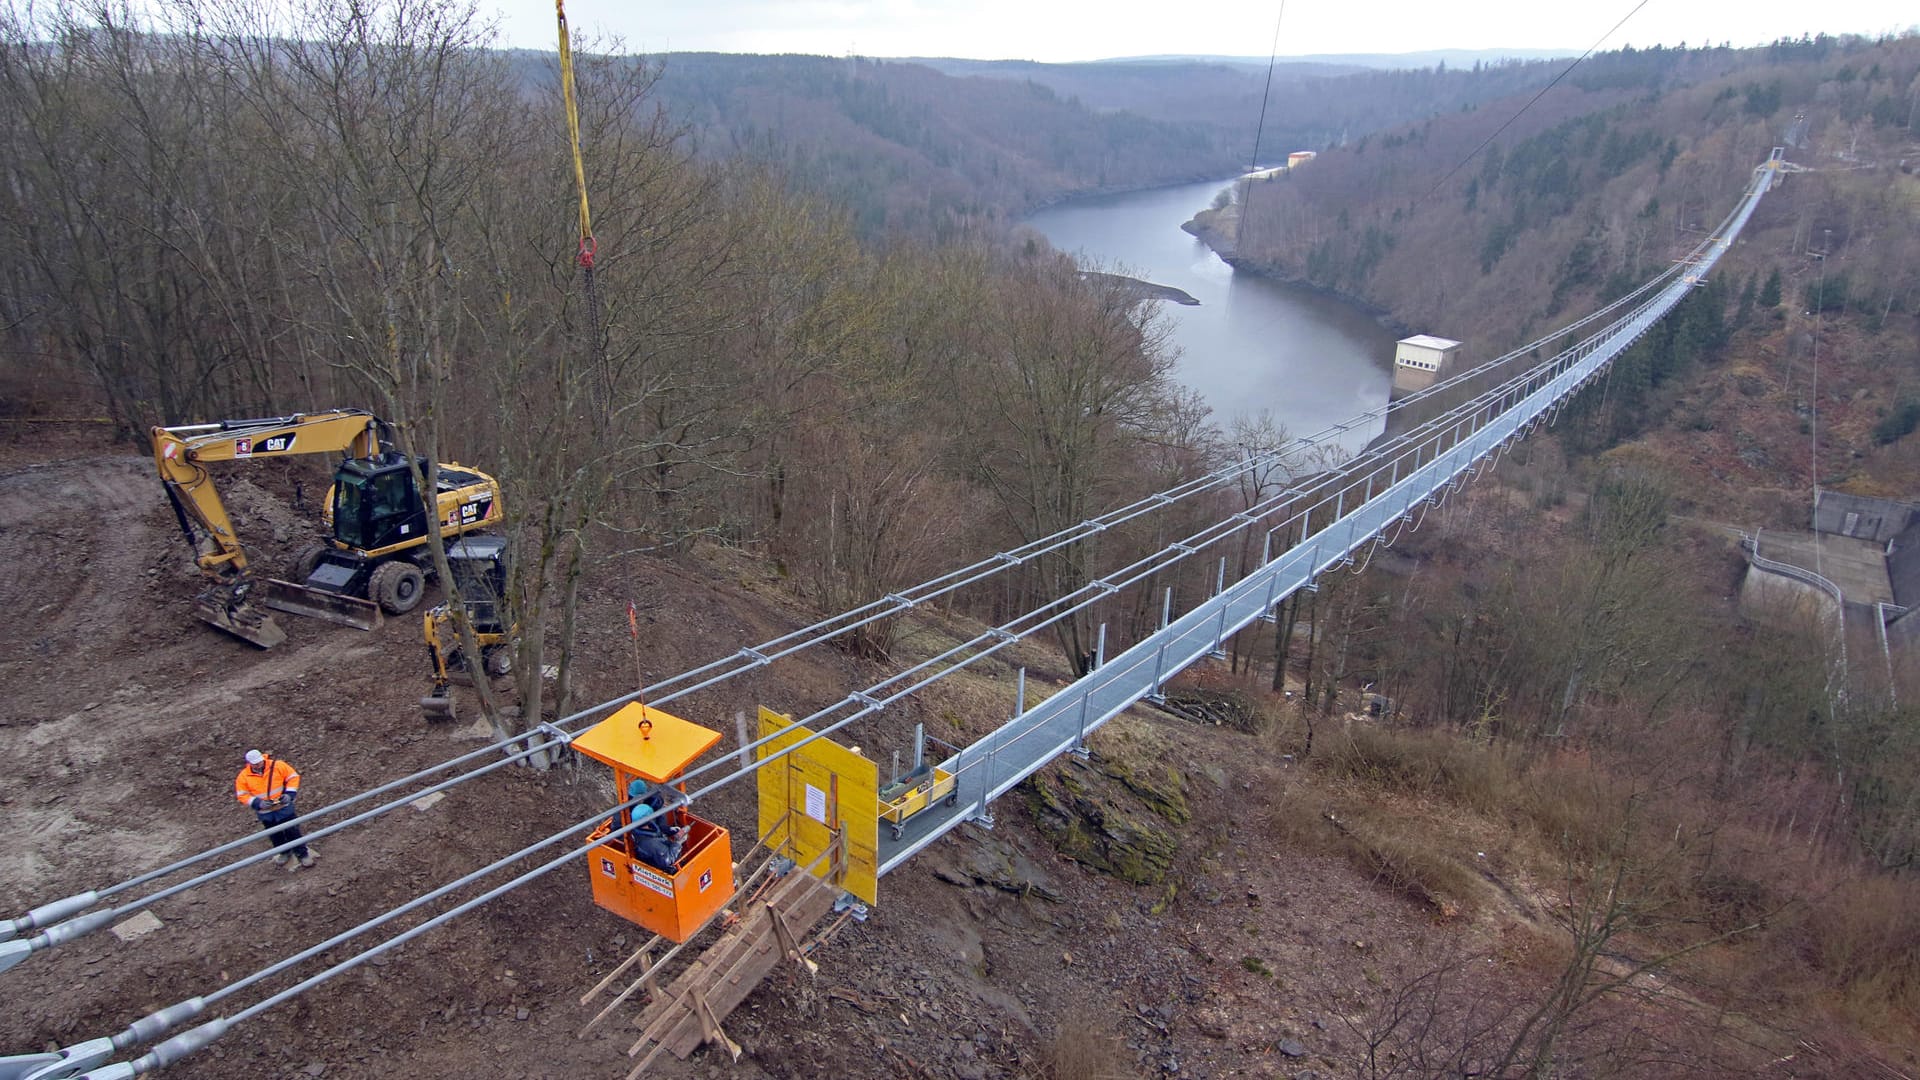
[{"x": 918, "y": 788}]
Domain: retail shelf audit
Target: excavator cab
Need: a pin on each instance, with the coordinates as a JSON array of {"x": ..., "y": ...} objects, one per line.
[
  {"x": 675, "y": 872},
  {"x": 375, "y": 512},
  {"x": 480, "y": 565},
  {"x": 376, "y": 503}
]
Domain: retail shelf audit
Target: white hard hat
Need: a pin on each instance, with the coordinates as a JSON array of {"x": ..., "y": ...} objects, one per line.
[{"x": 255, "y": 757}]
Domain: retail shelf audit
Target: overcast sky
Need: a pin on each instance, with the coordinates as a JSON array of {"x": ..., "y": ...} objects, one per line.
[{"x": 1067, "y": 30}]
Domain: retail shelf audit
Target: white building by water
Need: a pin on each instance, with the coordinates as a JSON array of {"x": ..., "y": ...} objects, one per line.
[{"x": 1422, "y": 360}]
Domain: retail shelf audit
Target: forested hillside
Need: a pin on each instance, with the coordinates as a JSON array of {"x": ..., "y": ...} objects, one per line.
[
  {"x": 202, "y": 222},
  {"x": 948, "y": 146},
  {"x": 1309, "y": 106},
  {"x": 901, "y": 146},
  {"x": 1524, "y": 794},
  {"x": 1758, "y": 782},
  {"x": 1602, "y": 181}
]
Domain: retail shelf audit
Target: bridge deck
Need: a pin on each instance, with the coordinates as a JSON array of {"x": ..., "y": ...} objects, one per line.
[{"x": 990, "y": 767}]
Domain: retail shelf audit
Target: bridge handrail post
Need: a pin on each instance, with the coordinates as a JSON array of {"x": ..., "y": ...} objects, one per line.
[{"x": 1080, "y": 740}]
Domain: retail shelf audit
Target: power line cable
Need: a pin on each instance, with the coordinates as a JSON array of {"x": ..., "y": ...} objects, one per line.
[
  {"x": 1273, "y": 55},
  {"x": 1535, "y": 99}
]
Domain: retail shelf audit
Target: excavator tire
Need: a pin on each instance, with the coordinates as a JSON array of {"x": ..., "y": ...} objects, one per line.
[
  {"x": 397, "y": 586},
  {"x": 305, "y": 563}
]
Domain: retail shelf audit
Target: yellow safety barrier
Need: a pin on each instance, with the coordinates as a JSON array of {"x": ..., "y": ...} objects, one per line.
[{"x": 824, "y": 790}]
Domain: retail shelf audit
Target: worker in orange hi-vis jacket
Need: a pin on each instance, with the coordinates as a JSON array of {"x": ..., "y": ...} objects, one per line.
[{"x": 269, "y": 788}]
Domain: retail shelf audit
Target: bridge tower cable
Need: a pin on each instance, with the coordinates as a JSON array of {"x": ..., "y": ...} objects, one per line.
[{"x": 1273, "y": 55}]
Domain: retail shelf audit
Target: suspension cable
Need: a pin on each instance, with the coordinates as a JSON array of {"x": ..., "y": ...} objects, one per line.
[
  {"x": 895, "y": 688},
  {"x": 521, "y": 747}
]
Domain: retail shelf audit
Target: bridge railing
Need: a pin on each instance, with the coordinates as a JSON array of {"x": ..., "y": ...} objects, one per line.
[{"x": 1321, "y": 526}]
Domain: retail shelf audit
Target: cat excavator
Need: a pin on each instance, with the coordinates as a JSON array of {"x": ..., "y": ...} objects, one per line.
[
  {"x": 480, "y": 566},
  {"x": 373, "y": 557}
]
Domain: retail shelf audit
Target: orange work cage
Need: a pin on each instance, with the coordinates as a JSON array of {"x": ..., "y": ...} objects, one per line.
[{"x": 671, "y": 899}]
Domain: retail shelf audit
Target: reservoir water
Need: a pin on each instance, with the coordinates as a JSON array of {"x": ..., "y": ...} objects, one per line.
[{"x": 1253, "y": 344}]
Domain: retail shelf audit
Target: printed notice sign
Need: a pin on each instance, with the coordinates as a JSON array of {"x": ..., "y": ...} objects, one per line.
[{"x": 816, "y": 804}]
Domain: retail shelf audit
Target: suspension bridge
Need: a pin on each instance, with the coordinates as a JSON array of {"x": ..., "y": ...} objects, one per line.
[{"x": 1333, "y": 518}]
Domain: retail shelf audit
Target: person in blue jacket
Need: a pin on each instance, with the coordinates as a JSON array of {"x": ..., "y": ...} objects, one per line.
[{"x": 655, "y": 842}]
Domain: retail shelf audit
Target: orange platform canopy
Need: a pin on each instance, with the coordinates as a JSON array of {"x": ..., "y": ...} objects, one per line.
[{"x": 646, "y": 742}]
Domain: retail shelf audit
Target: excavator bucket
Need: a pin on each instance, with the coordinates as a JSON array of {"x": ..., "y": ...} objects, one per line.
[
  {"x": 245, "y": 620},
  {"x": 438, "y": 707},
  {"x": 320, "y": 604}
]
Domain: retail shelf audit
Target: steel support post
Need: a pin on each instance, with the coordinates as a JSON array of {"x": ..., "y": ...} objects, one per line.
[
  {"x": 1080, "y": 740},
  {"x": 1219, "y": 650},
  {"x": 983, "y": 817}
]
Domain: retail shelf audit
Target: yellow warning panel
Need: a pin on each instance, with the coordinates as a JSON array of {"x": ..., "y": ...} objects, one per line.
[{"x": 822, "y": 789}]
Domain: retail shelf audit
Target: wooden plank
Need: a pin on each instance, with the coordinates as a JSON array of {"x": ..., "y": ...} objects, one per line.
[
  {"x": 647, "y": 972},
  {"x": 717, "y": 981},
  {"x": 751, "y": 968},
  {"x": 621, "y": 970},
  {"x": 715, "y": 984},
  {"x": 721, "y": 955}
]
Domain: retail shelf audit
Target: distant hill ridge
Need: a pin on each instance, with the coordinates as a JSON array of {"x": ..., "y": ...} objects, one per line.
[
  {"x": 929, "y": 146},
  {"x": 1423, "y": 59}
]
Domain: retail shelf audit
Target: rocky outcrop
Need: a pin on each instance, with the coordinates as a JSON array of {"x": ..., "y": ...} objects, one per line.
[{"x": 1113, "y": 810}]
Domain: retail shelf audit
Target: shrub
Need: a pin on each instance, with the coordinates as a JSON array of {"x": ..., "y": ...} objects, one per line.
[
  {"x": 1898, "y": 423},
  {"x": 1410, "y": 864},
  {"x": 1866, "y": 943},
  {"x": 1425, "y": 763},
  {"x": 1828, "y": 294}
]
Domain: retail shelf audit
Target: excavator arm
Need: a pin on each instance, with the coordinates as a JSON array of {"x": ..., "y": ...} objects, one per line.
[{"x": 182, "y": 454}]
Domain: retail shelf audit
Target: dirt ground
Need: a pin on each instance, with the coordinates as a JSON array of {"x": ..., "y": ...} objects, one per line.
[{"x": 125, "y": 719}]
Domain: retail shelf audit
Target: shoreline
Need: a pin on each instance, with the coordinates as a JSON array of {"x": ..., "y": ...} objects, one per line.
[
  {"x": 1051, "y": 201},
  {"x": 1146, "y": 290},
  {"x": 1207, "y": 227}
]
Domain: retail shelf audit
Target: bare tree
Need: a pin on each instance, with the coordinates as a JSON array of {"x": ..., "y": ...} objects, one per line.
[{"x": 1081, "y": 367}]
